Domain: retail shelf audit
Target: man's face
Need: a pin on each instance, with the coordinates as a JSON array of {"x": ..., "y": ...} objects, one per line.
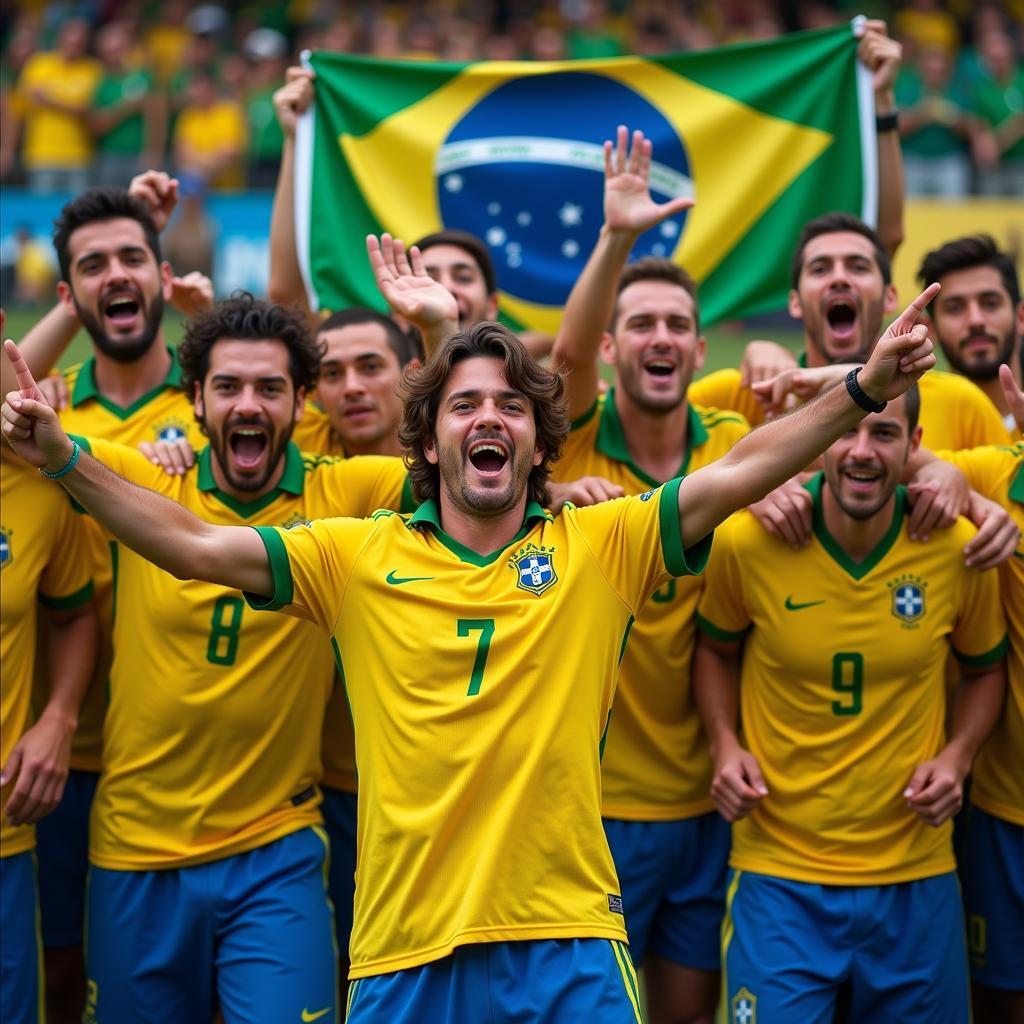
[
  {"x": 459, "y": 272},
  {"x": 864, "y": 466},
  {"x": 655, "y": 348},
  {"x": 485, "y": 439},
  {"x": 358, "y": 386},
  {"x": 841, "y": 297},
  {"x": 975, "y": 322},
  {"x": 248, "y": 406},
  {"x": 117, "y": 287}
]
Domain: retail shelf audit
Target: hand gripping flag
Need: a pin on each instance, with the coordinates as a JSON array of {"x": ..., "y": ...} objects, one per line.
[{"x": 764, "y": 135}]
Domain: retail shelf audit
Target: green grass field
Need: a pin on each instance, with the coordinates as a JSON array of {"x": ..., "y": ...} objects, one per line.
[{"x": 725, "y": 343}]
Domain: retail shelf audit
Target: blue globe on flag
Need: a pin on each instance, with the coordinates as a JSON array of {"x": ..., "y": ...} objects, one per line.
[{"x": 524, "y": 171}]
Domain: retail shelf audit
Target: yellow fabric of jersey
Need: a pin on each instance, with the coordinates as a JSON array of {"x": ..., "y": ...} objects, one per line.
[
  {"x": 54, "y": 138},
  {"x": 314, "y": 433},
  {"x": 212, "y": 738},
  {"x": 842, "y": 690},
  {"x": 954, "y": 412},
  {"x": 998, "y": 775},
  {"x": 207, "y": 131},
  {"x": 656, "y": 765},
  {"x": 42, "y": 558},
  {"x": 480, "y": 688},
  {"x": 164, "y": 413}
]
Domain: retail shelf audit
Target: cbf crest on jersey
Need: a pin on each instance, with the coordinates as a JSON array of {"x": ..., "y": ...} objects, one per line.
[
  {"x": 170, "y": 429},
  {"x": 744, "y": 1007},
  {"x": 908, "y": 598},
  {"x": 6, "y": 557},
  {"x": 535, "y": 568}
]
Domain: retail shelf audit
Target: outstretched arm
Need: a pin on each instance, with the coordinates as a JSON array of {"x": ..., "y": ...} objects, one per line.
[
  {"x": 159, "y": 529},
  {"x": 773, "y": 453},
  {"x": 629, "y": 211}
]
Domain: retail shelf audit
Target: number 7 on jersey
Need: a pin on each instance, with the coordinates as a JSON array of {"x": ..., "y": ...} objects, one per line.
[{"x": 486, "y": 629}]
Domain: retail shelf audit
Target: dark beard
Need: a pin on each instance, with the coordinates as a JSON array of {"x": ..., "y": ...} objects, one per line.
[
  {"x": 981, "y": 373},
  {"x": 133, "y": 349}
]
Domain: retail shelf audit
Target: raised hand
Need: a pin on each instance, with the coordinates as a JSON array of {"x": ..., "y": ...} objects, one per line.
[
  {"x": 404, "y": 282},
  {"x": 293, "y": 99},
  {"x": 192, "y": 293},
  {"x": 903, "y": 353},
  {"x": 1014, "y": 394},
  {"x": 628, "y": 205},
  {"x": 29, "y": 424},
  {"x": 159, "y": 191},
  {"x": 881, "y": 54}
]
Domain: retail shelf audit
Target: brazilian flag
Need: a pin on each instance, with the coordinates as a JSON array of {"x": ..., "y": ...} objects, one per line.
[{"x": 764, "y": 135}]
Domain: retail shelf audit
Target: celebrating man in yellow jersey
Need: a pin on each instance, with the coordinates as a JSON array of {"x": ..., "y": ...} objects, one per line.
[
  {"x": 479, "y": 641},
  {"x": 669, "y": 845},
  {"x": 207, "y": 814},
  {"x": 843, "y": 786}
]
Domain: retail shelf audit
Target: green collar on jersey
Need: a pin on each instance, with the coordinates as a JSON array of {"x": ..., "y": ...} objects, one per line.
[
  {"x": 611, "y": 439},
  {"x": 427, "y": 515},
  {"x": 292, "y": 481},
  {"x": 85, "y": 388},
  {"x": 1017, "y": 486},
  {"x": 858, "y": 570}
]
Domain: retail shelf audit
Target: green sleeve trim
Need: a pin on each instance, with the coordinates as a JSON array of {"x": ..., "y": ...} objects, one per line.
[
  {"x": 70, "y": 602},
  {"x": 280, "y": 571},
  {"x": 717, "y": 633},
  {"x": 984, "y": 660},
  {"x": 679, "y": 561},
  {"x": 82, "y": 441},
  {"x": 407, "y": 501},
  {"x": 586, "y": 417}
]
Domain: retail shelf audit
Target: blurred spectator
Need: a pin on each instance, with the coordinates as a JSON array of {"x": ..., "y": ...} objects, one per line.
[
  {"x": 210, "y": 135},
  {"x": 35, "y": 273},
  {"x": 128, "y": 117},
  {"x": 20, "y": 47},
  {"x": 188, "y": 241},
  {"x": 935, "y": 125},
  {"x": 53, "y": 94},
  {"x": 590, "y": 35},
  {"x": 999, "y": 104},
  {"x": 267, "y": 51},
  {"x": 547, "y": 43},
  {"x": 167, "y": 40},
  {"x": 924, "y": 24}
]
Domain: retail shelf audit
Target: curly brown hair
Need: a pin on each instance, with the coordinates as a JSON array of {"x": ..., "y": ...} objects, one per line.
[
  {"x": 246, "y": 318},
  {"x": 423, "y": 386}
]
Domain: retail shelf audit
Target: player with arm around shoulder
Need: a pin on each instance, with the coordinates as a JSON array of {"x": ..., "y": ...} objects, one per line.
[{"x": 843, "y": 781}]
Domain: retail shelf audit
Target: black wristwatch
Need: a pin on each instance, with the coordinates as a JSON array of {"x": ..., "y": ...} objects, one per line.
[
  {"x": 859, "y": 395},
  {"x": 887, "y": 122}
]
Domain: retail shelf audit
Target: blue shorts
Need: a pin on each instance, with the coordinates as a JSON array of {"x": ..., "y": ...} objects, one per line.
[
  {"x": 339, "y": 811},
  {"x": 672, "y": 876},
  {"x": 549, "y": 981},
  {"x": 993, "y": 876},
  {"x": 252, "y": 933},
  {"x": 62, "y": 845},
  {"x": 898, "y": 949},
  {"x": 21, "y": 949}
]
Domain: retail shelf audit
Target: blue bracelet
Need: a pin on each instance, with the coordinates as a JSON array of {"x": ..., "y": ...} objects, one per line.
[{"x": 76, "y": 450}]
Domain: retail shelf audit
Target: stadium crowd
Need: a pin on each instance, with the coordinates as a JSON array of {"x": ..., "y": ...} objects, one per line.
[
  {"x": 99, "y": 91},
  {"x": 462, "y": 562}
]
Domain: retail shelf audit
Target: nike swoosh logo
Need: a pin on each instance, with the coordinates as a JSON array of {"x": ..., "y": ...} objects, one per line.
[
  {"x": 396, "y": 581},
  {"x": 794, "y": 606},
  {"x": 307, "y": 1016}
]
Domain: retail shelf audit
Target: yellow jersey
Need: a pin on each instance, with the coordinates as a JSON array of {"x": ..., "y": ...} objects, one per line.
[
  {"x": 314, "y": 433},
  {"x": 480, "y": 689},
  {"x": 998, "y": 777},
  {"x": 212, "y": 735},
  {"x": 42, "y": 559},
  {"x": 842, "y": 691},
  {"x": 56, "y": 138},
  {"x": 954, "y": 412},
  {"x": 656, "y": 764},
  {"x": 165, "y": 413}
]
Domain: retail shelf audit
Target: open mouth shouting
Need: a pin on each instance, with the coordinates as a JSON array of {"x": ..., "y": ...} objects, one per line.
[
  {"x": 861, "y": 479},
  {"x": 248, "y": 443},
  {"x": 660, "y": 368},
  {"x": 841, "y": 317},
  {"x": 488, "y": 457},
  {"x": 123, "y": 310}
]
